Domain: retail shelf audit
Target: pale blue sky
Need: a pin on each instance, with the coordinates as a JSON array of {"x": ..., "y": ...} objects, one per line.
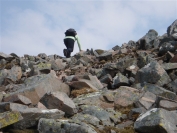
[{"x": 38, "y": 26}]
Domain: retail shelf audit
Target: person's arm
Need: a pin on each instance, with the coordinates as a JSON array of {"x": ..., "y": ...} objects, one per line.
[{"x": 78, "y": 42}]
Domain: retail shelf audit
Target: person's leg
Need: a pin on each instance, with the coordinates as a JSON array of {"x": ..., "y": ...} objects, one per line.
[{"x": 69, "y": 43}]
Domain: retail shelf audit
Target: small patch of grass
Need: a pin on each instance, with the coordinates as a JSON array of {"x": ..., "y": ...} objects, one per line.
[{"x": 81, "y": 91}]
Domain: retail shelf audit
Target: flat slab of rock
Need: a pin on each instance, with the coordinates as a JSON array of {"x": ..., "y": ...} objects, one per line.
[
  {"x": 168, "y": 105},
  {"x": 147, "y": 100},
  {"x": 8, "y": 118},
  {"x": 159, "y": 91},
  {"x": 169, "y": 66}
]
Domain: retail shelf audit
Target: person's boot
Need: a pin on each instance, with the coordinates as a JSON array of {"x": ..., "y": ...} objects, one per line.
[{"x": 65, "y": 52}]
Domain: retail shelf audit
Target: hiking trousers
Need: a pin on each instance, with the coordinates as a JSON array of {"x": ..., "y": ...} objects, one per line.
[{"x": 69, "y": 43}]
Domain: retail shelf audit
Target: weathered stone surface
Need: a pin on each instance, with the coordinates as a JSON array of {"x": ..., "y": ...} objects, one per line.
[
  {"x": 3, "y": 63},
  {"x": 98, "y": 112},
  {"x": 59, "y": 100},
  {"x": 115, "y": 116},
  {"x": 32, "y": 115},
  {"x": 109, "y": 96},
  {"x": 168, "y": 105},
  {"x": 106, "y": 79},
  {"x": 125, "y": 62},
  {"x": 152, "y": 73},
  {"x": 15, "y": 73},
  {"x": 126, "y": 97},
  {"x": 146, "y": 42},
  {"x": 156, "y": 120},
  {"x": 27, "y": 67},
  {"x": 8, "y": 118},
  {"x": 173, "y": 86},
  {"x": 115, "y": 48},
  {"x": 94, "y": 98},
  {"x": 135, "y": 112},
  {"x": 57, "y": 64},
  {"x": 165, "y": 47},
  {"x": 38, "y": 86},
  {"x": 42, "y": 55},
  {"x": 120, "y": 80},
  {"x": 90, "y": 119},
  {"x": 65, "y": 126}
]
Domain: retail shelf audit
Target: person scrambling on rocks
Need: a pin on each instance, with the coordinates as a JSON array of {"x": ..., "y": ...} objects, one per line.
[{"x": 70, "y": 37}]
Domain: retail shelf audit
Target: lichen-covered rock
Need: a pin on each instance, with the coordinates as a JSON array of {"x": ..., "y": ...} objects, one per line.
[
  {"x": 30, "y": 115},
  {"x": 90, "y": 119},
  {"x": 8, "y": 118},
  {"x": 159, "y": 91},
  {"x": 156, "y": 120},
  {"x": 63, "y": 126}
]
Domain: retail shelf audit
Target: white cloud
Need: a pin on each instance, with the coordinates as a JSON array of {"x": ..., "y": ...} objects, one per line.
[{"x": 100, "y": 24}]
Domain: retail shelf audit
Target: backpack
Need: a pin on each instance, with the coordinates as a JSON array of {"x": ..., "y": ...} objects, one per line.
[{"x": 70, "y": 32}]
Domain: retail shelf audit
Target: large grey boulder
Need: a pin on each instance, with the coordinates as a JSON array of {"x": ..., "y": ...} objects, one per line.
[
  {"x": 63, "y": 126},
  {"x": 146, "y": 42},
  {"x": 152, "y": 73},
  {"x": 156, "y": 120},
  {"x": 126, "y": 97},
  {"x": 172, "y": 30},
  {"x": 59, "y": 100},
  {"x": 120, "y": 80}
]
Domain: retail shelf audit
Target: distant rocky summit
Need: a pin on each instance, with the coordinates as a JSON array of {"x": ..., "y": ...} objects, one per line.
[{"x": 129, "y": 89}]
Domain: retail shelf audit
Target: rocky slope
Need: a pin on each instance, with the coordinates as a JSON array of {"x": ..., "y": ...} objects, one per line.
[{"x": 129, "y": 89}]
